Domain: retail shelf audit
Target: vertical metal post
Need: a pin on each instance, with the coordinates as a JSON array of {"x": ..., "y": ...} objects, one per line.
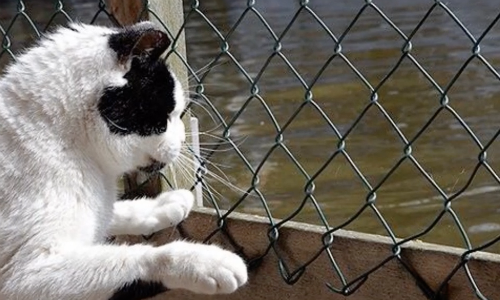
[{"x": 195, "y": 145}]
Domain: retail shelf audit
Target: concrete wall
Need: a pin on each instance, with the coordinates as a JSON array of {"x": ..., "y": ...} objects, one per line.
[{"x": 354, "y": 252}]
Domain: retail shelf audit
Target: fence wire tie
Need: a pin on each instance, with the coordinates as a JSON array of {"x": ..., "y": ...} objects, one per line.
[
  {"x": 422, "y": 284},
  {"x": 290, "y": 278},
  {"x": 350, "y": 288},
  {"x": 252, "y": 262}
]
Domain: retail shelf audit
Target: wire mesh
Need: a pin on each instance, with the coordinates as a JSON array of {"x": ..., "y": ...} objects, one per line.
[{"x": 224, "y": 138}]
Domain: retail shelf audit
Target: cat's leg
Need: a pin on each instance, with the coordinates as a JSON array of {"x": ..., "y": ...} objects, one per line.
[
  {"x": 78, "y": 272},
  {"x": 146, "y": 215}
]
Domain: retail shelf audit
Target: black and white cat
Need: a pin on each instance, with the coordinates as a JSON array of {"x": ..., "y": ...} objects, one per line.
[{"x": 83, "y": 106}]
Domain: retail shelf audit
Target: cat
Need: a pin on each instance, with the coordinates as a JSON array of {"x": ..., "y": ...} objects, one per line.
[{"x": 83, "y": 106}]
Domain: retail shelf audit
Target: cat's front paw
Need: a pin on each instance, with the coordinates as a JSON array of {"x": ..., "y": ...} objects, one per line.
[
  {"x": 172, "y": 208},
  {"x": 203, "y": 269}
]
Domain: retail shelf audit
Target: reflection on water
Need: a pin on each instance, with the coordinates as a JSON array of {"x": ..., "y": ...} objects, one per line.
[{"x": 445, "y": 150}]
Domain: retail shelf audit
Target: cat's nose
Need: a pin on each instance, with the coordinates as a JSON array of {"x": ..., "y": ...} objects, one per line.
[{"x": 174, "y": 150}]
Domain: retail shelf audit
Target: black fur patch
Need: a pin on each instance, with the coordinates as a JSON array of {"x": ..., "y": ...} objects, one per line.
[
  {"x": 138, "y": 290},
  {"x": 123, "y": 43},
  {"x": 143, "y": 105}
]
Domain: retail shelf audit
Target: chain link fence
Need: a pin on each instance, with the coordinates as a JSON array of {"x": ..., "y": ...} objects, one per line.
[{"x": 297, "y": 129}]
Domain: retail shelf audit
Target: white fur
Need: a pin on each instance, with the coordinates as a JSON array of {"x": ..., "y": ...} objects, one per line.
[
  {"x": 58, "y": 168},
  {"x": 146, "y": 216}
]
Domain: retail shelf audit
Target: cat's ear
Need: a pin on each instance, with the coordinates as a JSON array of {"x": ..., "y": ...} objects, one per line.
[{"x": 150, "y": 42}]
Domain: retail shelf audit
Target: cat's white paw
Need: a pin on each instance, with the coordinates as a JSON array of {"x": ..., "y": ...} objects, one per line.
[
  {"x": 171, "y": 208},
  {"x": 203, "y": 269}
]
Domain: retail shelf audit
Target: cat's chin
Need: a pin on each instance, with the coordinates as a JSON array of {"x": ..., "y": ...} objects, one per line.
[{"x": 154, "y": 167}]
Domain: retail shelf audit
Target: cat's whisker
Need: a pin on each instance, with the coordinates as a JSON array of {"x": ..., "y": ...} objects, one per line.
[
  {"x": 230, "y": 145},
  {"x": 209, "y": 134},
  {"x": 216, "y": 145},
  {"x": 204, "y": 152},
  {"x": 208, "y": 151},
  {"x": 201, "y": 71},
  {"x": 210, "y": 84},
  {"x": 207, "y": 111},
  {"x": 207, "y": 191},
  {"x": 204, "y": 160},
  {"x": 223, "y": 140},
  {"x": 206, "y": 68},
  {"x": 195, "y": 102},
  {"x": 224, "y": 180},
  {"x": 174, "y": 179},
  {"x": 183, "y": 175},
  {"x": 211, "y": 151}
]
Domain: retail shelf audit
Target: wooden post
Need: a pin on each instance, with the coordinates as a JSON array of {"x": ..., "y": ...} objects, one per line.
[
  {"x": 171, "y": 14},
  {"x": 126, "y": 12}
]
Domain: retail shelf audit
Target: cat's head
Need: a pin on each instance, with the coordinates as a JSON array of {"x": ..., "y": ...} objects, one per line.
[
  {"x": 143, "y": 116},
  {"x": 111, "y": 90}
]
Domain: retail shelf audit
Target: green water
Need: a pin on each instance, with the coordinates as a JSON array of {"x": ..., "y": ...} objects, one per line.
[{"x": 445, "y": 150}]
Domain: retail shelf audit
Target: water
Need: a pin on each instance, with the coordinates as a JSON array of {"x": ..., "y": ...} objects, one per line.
[{"x": 446, "y": 151}]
